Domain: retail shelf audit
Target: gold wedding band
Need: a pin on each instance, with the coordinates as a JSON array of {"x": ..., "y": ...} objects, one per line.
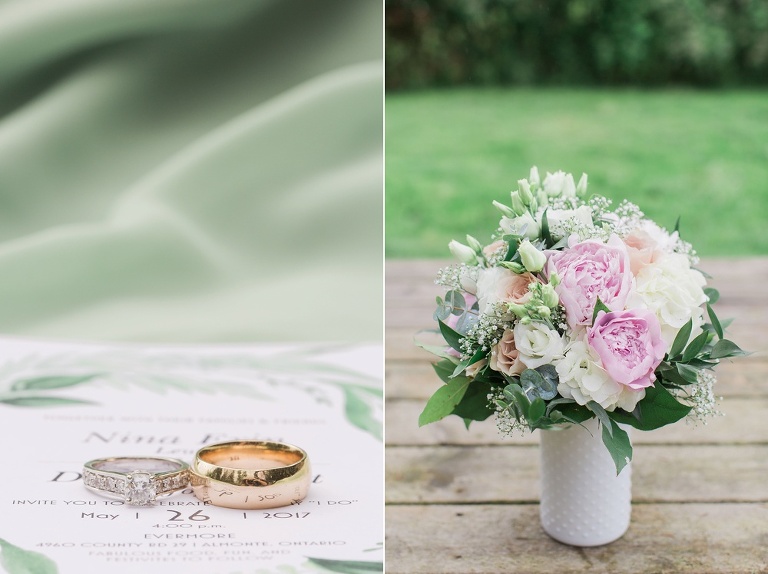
[
  {"x": 137, "y": 480},
  {"x": 250, "y": 474}
]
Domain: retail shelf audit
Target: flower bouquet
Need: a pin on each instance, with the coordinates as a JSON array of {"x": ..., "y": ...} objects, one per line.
[{"x": 576, "y": 311}]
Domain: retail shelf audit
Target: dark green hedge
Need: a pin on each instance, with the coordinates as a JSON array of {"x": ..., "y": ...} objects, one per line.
[{"x": 576, "y": 42}]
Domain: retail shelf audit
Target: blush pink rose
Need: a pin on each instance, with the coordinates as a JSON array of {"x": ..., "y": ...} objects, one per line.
[
  {"x": 629, "y": 345},
  {"x": 498, "y": 284},
  {"x": 504, "y": 355},
  {"x": 642, "y": 248},
  {"x": 588, "y": 270}
]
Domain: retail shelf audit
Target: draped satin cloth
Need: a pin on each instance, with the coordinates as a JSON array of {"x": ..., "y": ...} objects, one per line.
[{"x": 191, "y": 170}]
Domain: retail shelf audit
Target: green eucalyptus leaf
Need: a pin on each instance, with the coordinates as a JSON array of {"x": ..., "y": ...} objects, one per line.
[
  {"x": 359, "y": 410},
  {"x": 689, "y": 374},
  {"x": 681, "y": 340},
  {"x": 466, "y": 322},
  {"x": 713, "y": 294},
  {"x": 444, "y": 401},
  {"x": 455, "y": 301}
]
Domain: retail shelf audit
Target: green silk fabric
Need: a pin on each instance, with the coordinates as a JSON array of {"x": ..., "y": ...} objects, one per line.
[{"x": 191, "y": 170}]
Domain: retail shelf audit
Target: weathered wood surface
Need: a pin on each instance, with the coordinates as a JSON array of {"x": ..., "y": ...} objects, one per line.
[{"x": 467, "y": 500}]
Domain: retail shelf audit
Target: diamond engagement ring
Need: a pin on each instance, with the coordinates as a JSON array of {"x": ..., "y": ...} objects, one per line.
[
  {"x": 136, "y": 480},
  {"x": 250, "y": 474}
]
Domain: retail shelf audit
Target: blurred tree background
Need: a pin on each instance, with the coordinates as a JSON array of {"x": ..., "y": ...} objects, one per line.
[
  {"x": 576, "y": 42},
  {"x": 663, "y": 102}
]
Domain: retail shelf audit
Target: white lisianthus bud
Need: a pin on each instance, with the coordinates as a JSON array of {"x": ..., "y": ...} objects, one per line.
[
  {"x": 534, "y": 178},
  {"x": 505, "y": 211},
  {"x": 524, "y": 188},
  {"x": 533, "y": 259},
  {"x": 474, "y": 244},
  {"x": 462, "y": 252},
  {"x": 554, "y": 279},
  {"x": 549, "y": 295},
  {"x": 525, "y": 226},
  {"x": 519, "y": 310},
  {"x": 512, "y": 266},
  {"x": 542, "y": 198},
  {"x": 581, "y": 187},
  {"x": 569, "y": 187},
  {"x": 517, "y": 204},
  {"x": 543, "y": 311}
]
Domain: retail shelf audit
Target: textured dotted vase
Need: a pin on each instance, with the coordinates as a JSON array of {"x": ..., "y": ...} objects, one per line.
[{"x": 583, "y": 502}]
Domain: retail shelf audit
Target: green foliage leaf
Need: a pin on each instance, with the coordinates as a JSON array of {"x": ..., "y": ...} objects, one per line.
[
  {"x": 695, "y": 346},
  {"x": 713, "y": 294},
  {"x": 513, "y": 242},
  {"x": 444, "y": 369},
  {"x": 689, "y": 374},
  {"x": 538, "y": 407},
  {"x": 681, "y": 340},
  {"x": 619, "y": 446},
  {"x": 41, "y": 401},
  {"x": 444, "y": 401},
  {"x": 347, "y": 566},
  {"x": 599, "y": 306},
  {"x": 479, "y": 354},
  {"x": 474, "y": 403},
  {"x": 715, "y": 321},
  {"x": 725, "y": 348},
  {"x": 51, "y": 382},
  {"x": 659, "y": 408},
  {"x": 601, "y": 415},
  {"x": 15, "y": 560},
  {"x": 677, "y": 225},
  {"x": 546, "y": 235},
  {"x": 451, "y": 337},
  {"x": 438, "y": 350}
]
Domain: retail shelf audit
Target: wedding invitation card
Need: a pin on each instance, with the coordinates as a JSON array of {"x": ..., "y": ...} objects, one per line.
[{"x": 62, "y": 405}]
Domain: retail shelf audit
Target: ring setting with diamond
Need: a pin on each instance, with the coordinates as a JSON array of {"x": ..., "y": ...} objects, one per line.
[{"x": 136, "y": 480}]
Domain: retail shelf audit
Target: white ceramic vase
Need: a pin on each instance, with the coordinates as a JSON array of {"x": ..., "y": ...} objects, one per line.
[{"x": 583, "y": 502}]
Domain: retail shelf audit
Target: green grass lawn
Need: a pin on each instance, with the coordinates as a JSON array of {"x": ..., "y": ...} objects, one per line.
[{"x": 700, "y": 155}]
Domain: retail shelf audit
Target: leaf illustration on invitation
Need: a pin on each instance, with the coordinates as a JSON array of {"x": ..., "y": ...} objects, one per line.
[
  {"x": 42, "y": 401},
  {"x": 359, "y": 408},
  {"x": 50, "y": 382},
  {"x": 348, "y": 566},
  {"x": 15, "y": 560}
]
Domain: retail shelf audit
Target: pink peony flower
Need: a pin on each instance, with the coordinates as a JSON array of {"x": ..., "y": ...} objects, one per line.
[
  {"x": 588, "y": 270},
  {"x": 629, "y": 345}
]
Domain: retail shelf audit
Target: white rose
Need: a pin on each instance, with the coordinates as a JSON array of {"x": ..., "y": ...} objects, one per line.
[
  {"x": 583, "y": 379},
  {"x": 557, "y": 217},
  {"x": 664, "y": 240},
  {"x": 525, "y": 225},
  {"x": 559, "y": 184},
  {"x": 537, "y": 344},
  {"x": 673, "y": 291}
]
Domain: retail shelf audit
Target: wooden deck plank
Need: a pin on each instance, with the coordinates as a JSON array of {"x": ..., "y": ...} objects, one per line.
[
  {"x": 662, "y": 538},
  {"x": 457, "y": 474}
]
